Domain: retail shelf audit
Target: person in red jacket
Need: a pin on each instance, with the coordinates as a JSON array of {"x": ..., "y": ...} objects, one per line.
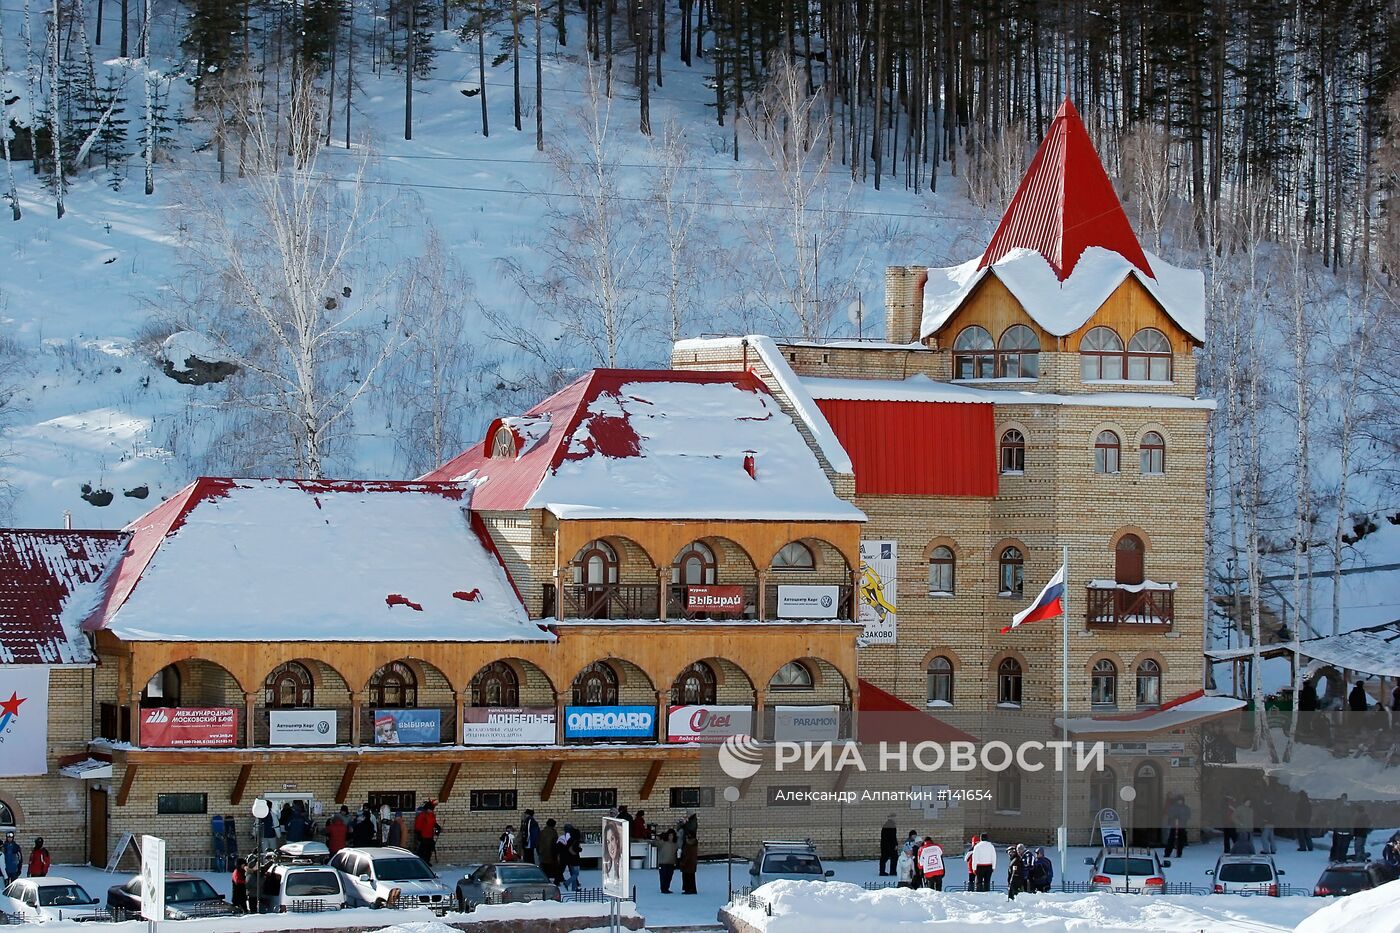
[
  {"x": 425, "y": 825},
  {"x": 931, "y": 864},
  {"x": 336, "y": 831},
  {"x": 39, "y": 860}
]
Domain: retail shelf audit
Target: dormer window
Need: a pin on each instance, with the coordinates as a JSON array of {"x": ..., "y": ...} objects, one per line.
[
  {"x": 974, "y": 354},
  {"x": 1150, "y": 356},
  {"x": 1101, "y": 355},
  {"x": 1018, "y": 353},
  {"x": 503, "y": 444}
]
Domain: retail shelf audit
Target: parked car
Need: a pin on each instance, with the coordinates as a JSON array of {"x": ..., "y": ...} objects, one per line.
[
  {"x": 795, "y": 861},
  {"x": 1339, "y": 879},
  {"x": 504, "y": 883},
  {"x": 186, "y": 896},
  {"x": 1131, "y": 871},
  {"x": 1246, "y": 874},
  {"x": 298, "y": 878},
  {"x": 377, "y": 877},
  {"x": 39, "y": 900}
]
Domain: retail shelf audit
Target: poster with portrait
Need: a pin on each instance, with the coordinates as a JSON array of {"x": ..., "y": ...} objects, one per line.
[{"x": 617, "y": 843}]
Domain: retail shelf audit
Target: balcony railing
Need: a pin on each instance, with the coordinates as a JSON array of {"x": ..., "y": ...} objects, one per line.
[{"x": 1148, "y": 607}]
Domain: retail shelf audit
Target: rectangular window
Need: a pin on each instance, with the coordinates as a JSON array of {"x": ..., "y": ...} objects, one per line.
[
  {"x": 1008, "y": 791},
  {"x": 398, "y": 801},
  {"x": 182, "y": 803},
  {"x": 789, "y": 795},
  {"x": 593, "y": 798},
  {"x": 690, "y": 798},
  {"x": 485, "y": 800}
]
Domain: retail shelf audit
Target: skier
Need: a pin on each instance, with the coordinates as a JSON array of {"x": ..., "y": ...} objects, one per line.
[
  {"x": 39, "y": 860},
  {"x": 931, "y": 864},
  {"x": 529, "y": 835},
  {"x": 889, "y": 842},
  {"x": 984, "y": 863},
  {"x": 13, "y": 857},
  {"x": 1015, "y": 870}
]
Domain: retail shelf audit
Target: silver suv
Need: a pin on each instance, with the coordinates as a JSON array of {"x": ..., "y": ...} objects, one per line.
[
  {"x": 1128, "y": 871},
  {"x": 794, "y": 861},
  {"x": 1245, "y": 874},
  {"x": 378, "y": 877}
]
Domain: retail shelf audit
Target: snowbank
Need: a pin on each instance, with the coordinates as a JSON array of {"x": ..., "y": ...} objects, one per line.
[{"x": 1374, "y": 911}]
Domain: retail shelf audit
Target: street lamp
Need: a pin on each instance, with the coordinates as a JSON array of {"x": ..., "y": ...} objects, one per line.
[
  {"x": 1128, "y": 794},
  {"x": 731, "y": 794}
]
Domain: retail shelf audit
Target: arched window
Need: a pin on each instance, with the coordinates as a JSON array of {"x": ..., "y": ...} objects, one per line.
[
  {"x": 289, "y": 686},
  {"x": 596, "y": 564},
  {"x": 1154, "y": 454},
  {"x": 794, "y": 556},
  {"x": 1150, "y": 356},
  {"x": 1103, "y": 790},
  {"x": 394, "y": 686},
  {"x": 1018, "y": 353},
  {"x": 942, "y": 571},
  {"x": 1008, "y": 791},
  {"x": 1101, "y": 355},
  {"x": 163, "y": 689},
  {"x": 1128, "y": 560},
  {"x": 1103, "y": 683},
  {"x": 1009, "y": 682},
  {"x": 794, "y": 675},
  {"x": 1149, "y": 684},
  {"x": 974, "y": 354},
  {"x": 596, "y": 685},
  {"x": 503, "y": 444},
  {"x": 1012, "y": 574},
  {"x": 695, "y": 686},
  {"x": 496, "y": 684},
  {"x": 1106, "y": 452},
  {"x": 7, "y": 818},
  {"x": 696, "y": 565},
  {"x": 940, "y": 681},
  {"x": 1013, "y": 452}
]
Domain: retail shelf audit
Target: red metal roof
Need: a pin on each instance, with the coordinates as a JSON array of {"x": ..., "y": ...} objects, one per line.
[
  {"x": 884, "y": 717},
  {"x": 510, "y": 482},
  {"x": 1065, "y": 204},
  {"x": 39, "y": 571},
  {"x": 917, "y": 448},
  {"x": 148, "y": 531}
]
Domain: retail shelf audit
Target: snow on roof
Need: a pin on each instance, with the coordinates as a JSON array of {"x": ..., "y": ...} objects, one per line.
[
  {"x": 1183, "y": 711},
  {"x": 659, "y": 444},
  {"x": 48, "y": 581},
  {"x": 1062, "y": 306},
  {"x": 1374, "y": 650},
  {"x": 691, "y": 441},
  {"x": 334, "y": 560},
  {"x": 920, "y": 388}
]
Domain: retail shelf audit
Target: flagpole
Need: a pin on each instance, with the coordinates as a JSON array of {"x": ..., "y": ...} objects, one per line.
[{"x": 1064, "y": 712}]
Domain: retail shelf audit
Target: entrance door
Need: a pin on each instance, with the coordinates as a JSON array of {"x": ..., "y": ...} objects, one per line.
[
  {"x": 97, "y": 827},
  {"x": 1147, "y": 807}
]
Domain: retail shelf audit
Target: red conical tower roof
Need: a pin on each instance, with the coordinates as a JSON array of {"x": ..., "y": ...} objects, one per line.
[{"x": 1065, "y": 204}]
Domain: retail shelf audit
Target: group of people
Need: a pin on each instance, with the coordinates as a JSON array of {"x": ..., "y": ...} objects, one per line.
[
  {"x": 919, "y": 863},
  {"x": 1241, "y": 823},
  {"x": 12, "y": 859},
  {"x": 417, "y": 832}
]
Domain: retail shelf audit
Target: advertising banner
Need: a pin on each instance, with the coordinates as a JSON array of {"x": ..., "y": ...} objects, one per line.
[
  {"x": 508, "y": 725},
  {"x": 153, "y": 878},
  {"x": 1110, "y": 828},
  {"x": 716, "y": 600},
  {"x": 24, "y": 720},
  {"x": 707, "y": 724},
  {"x": 806, "y": 723},
  {"x": 802, "y": 601},
  {"x": 615, "y": 861},
  {"x": 182, "y": 726},
  {"x": 407, "y": 726},
  {"x": 301, "y": 726},
  {"x": 611, "y": 722},
  {"x": 878, "y": 560}
]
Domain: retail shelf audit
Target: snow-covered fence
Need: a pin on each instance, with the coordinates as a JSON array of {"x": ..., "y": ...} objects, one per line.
[{"x": 752, "y": 902}]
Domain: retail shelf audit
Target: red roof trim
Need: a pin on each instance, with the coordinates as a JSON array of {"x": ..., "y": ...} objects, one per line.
[
  {"x": 900, "y": 722},
  {"x": 1065, "y": 204}
]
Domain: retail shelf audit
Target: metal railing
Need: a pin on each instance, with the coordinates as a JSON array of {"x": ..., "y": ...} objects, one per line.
[
  {"x": 752, "y": 902},
  {"x": 1114, "y": 607}
]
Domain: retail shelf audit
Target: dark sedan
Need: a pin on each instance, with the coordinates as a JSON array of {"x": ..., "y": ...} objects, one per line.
[
  {"x": 186, "y": 896},
  {"x": 504, "y": 883}
]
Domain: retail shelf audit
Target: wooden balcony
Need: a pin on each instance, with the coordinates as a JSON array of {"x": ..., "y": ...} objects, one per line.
[{"x": 1149, "y": 609}]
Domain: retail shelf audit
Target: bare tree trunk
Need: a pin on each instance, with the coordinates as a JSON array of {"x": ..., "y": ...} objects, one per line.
[
  {"x": 12, "y": 192},
  {"x": 515, "y": 54},
  {"x": 481, "y": 64},
  {"x": 411, "y": 59},
  {"x": 55, "y": 119},
  {"x": 126, "y": 17},
  {"x": 150, "y": 84},
  {"x": 539, "y": 82}
]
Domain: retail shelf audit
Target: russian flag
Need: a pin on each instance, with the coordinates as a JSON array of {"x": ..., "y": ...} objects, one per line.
[{"x": 1049, "y": 604}]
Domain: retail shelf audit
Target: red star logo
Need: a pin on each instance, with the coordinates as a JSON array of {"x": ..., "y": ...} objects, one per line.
[{"x": 11, "y": 706}]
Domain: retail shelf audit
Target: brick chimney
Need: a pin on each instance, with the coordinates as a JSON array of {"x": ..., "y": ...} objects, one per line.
[{"x": 904, "y": 302}]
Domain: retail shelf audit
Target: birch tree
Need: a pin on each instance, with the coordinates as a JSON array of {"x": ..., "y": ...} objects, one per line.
[
  {"x": 677, "y": 193},
  {"x": 11, "y": 191}
]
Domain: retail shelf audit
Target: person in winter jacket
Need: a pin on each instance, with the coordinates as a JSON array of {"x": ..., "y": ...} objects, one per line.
[
  {"x": 1357, "y": 699},
  {"x": 640, "y": 829},
  {"x": 13, "y": 858},
  {"x": 1042, "y": 872},
  {"x": 1015, "y": 870},
  {"x": 1362, "y": 830},
  {"x": 239, "y": 880},
  {"x": 904, "y": 869},
  {"x": 690, "y": 861},
  {"x": 337, "y": 830},
  {"x": 425, "y": 827},
  {"x": 930, "y": 864},
  {"x": 665, "y": 859},
  {"x": 505, "y": 845},
  {"x": 397, "y": 833},
  {"x": 547, "y": 850},
  {"x": 971, "y": 869},
  {"x": 39, "y": 859},
  {"x": 1178, "y": 815},
  {"x": 529, "y": 835},
  {"x": 984, "y": 863},
  {"x": 1302, "y": 822},
  {"x": 889, "y": 844},
  {"x": 571, "y": 844},
  {"x": 363, "y": 829},
  {"x": 1244, "y": 829}
]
